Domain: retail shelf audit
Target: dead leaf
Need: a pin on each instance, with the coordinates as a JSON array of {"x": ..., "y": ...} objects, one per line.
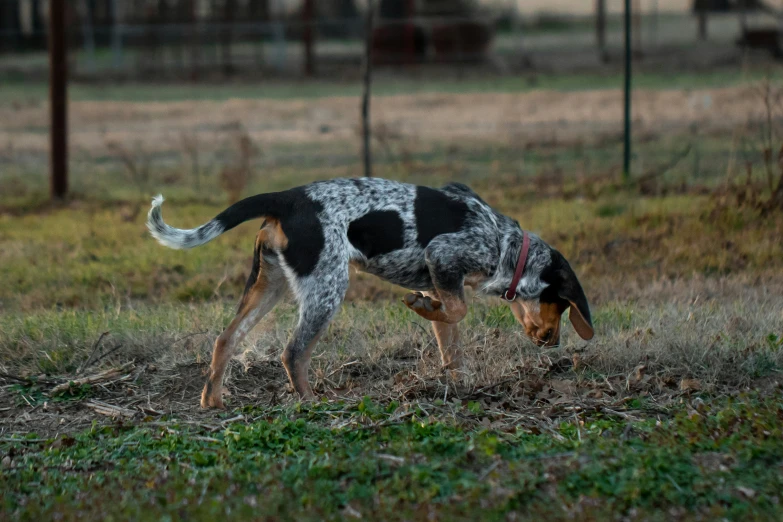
[
  {"x": 562, "y": 386},
  {"x": 638, "y": 372},
  {"x": 746, "y": 492},
  {"x": 687, "y": 385}
]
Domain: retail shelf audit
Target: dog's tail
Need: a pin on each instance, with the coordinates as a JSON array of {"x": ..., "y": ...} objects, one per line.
[{"x": 249, "y": 208}]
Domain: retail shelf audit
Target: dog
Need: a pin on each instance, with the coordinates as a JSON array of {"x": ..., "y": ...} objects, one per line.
[{"x": 431, "y": 241}]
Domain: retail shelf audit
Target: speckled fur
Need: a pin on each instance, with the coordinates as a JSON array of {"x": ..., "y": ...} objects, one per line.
[{"x": 486, "y": 247}]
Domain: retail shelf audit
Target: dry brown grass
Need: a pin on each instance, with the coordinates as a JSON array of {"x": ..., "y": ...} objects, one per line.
[
  {"x": 537, "y": 117},
  {"x": 655, "y": 342},
  {"x": 235, "y": 176}
]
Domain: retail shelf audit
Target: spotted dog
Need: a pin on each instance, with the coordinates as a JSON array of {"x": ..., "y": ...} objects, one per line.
[{"x": 431, "y": 241}]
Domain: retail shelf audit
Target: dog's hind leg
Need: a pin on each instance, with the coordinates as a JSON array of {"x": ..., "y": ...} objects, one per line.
[
  {"x": 266, "y": 286},
  {"x": 320, "y": 296}
]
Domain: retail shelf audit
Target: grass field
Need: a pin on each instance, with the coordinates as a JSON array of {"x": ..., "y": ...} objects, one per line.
[{"x": 673, "y": 411}]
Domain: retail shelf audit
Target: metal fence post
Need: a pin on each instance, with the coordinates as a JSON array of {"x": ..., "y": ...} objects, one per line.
[
  {"x": 116, "y": 34},
  {"x": 89, "y": 37},
  {"x": 366, "y": 131},
  {"x": 58, "y": 99},
  {"x": 308, "y": 14},
  {"x": 627, "y": 110}
]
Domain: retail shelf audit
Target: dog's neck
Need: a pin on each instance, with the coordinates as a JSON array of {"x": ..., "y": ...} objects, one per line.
[{"x": 530, "y": 286}]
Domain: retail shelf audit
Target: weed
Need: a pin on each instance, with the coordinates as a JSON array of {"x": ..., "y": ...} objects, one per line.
[{"x": 234, "y": 178}]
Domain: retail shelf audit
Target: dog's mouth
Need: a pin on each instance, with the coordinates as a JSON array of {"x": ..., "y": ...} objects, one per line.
[{"x": 549, "y": 342}]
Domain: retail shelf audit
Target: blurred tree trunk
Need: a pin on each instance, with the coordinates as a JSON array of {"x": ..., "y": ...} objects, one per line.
[
  {"x": 194, "y": 38},
  {"x": 258, "y": 10},
  {"x": 346, "y": 9},
  {"x": 10, "y": 25},
  {"x": 38, "y": 38}
]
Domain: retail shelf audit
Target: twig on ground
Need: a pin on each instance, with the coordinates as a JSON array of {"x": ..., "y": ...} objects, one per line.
[
  {"x": 233, "y": 419},
  {"x": 110, "y": 409},
  {"x": 485, "y": 389},
  {"x": 103, "y": 376},
  {"x": 26, "y": 380},
  {"x": 105, "y": 355},
  {"x": 351, "y": 363},
  {"x": 489, "y": 470},
  {"x": 393, "y": 459}
]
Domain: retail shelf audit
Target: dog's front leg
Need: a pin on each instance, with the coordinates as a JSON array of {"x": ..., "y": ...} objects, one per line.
[
  {"x": 448, "y": 344},
  {"x": 447, "y": 267},
  {"x": 449, "y": 308}
]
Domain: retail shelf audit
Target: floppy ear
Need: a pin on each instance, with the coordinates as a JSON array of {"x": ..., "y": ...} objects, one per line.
[{"x": 568, "y": 288}]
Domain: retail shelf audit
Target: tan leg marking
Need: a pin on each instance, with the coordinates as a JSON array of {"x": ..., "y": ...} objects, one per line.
[
  {"x": 448, "y": 343},
  {"x": 447, "y": 336},
  {"x": 256, "y": 303}
]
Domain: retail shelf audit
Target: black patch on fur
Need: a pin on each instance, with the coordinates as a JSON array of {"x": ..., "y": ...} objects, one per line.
[
  {"x": 303, "y": 229},
  {"x": 271, "y": 205},
  {"x": 377, "y": 233},
  {"x": 436, "y": 214},
  {"x": 564, "y": 287},
  {"x": 298, "y": 217}
]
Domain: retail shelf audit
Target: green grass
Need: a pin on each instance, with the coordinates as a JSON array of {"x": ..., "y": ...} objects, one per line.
[
  {"x": 383, "y": 460},
  {"x": 92, "y": 253}
]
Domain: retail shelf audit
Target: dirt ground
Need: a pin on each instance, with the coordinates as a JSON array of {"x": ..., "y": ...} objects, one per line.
[{"x": 506, "y": 118}]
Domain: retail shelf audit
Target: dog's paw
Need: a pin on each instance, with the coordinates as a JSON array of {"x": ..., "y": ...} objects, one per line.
[
  {"x": 417, "y": 301},
  {"x": 212, "y": 400}
]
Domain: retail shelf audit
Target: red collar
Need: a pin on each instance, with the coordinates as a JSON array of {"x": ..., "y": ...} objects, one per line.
[{"x": 511, "y": 293}]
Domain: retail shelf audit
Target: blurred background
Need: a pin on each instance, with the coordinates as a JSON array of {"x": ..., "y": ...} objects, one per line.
[{"x": 199, "y": 94}]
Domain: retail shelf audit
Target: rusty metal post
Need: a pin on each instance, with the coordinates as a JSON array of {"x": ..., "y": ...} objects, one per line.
[
  {"x": 307, "y": 19},
  {"x": 366, "y": 131},
  {"x": 627, "y": 93},
  {"x": 58, "y": 99}
]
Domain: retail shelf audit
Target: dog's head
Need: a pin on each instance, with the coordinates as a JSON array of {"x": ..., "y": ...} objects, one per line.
[{"x": 555, "y": 287}]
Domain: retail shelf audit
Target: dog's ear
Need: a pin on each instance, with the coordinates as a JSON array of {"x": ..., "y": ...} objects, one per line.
[{"x": 564, "y": 283}]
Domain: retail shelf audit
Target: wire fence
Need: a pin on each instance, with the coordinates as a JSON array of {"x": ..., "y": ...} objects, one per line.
[
  {"x": 189, "y": 39},
  {"x": 454, "y": 102}
]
